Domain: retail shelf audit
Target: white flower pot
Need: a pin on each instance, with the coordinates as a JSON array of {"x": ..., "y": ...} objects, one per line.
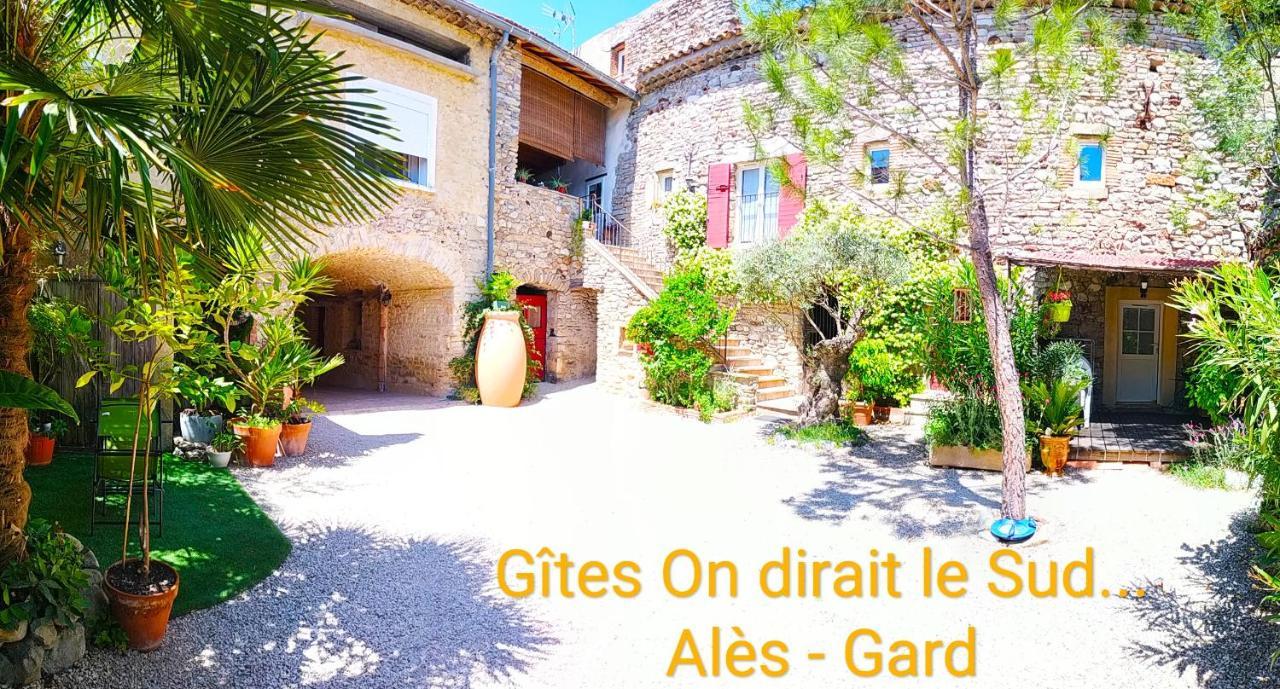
[{"x": 218, "y": 459}]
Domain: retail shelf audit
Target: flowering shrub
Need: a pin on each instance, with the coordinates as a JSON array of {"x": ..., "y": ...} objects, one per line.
[
  {"x": 672, "y": 334},
  {"x": 1058, "y": 296}
]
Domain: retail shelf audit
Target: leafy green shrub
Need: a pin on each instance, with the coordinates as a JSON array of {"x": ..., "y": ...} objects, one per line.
[
  {"x": 1060, "y": 360},
  {"x": 686, "y": 215},
  {"x": 879, "y": 375},
  {"x": 496, "y": 294},
  {"x": 676, "y": 330},
  {"x": 1212, "y": 389},
  {"x": 47, "y": 584},
  {"x": 891, "y": 325},
  {"x": 721, "y": 397},
  {"x": 971, "y": 421},
  {"x": 716, "y": 266},
  {"x": 1200, "y": 475},
  {"x": 955, "y": 350},
  {"x": 1053, "y": 407}
]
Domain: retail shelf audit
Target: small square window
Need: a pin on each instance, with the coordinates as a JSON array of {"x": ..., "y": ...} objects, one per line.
[
  {"x": 666, "y": 185},
  {"x": 619, "y": 61},
  {"x": 879, "y": 165},
  {"x": 1091, "y": 161}
]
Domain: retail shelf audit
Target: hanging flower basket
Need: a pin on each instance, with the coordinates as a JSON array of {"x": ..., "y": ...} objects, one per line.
[{"x": 1058, "y": 306}]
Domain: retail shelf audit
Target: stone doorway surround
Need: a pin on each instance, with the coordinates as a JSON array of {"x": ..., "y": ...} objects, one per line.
[{"x": 1168, "y": 353}]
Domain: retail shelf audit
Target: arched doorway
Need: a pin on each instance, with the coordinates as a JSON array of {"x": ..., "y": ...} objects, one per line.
[{"x": 392, "y": 317}]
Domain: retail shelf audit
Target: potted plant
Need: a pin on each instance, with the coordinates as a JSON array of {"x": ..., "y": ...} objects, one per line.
[
  {"x": 200, "y": 421},
  {"x": 1056, "y": 405},
  {"x": 861, "y": 410},
  {"x": 279, "y": 358},
  {"x": 220, "y": 448},
  {"x": 162, "y": 310},
  {"x": 524, "y": 174},
  {"x": 557, "y": 184},
  {"x": 883, "y": 377},
  {"x": 297, "y": 425},
  {"x": 42, "y": 436},
  {"x": 1058, "y": 305},
  {"x": 965, "y": 432},
  {"x": 20, "y": 392}
]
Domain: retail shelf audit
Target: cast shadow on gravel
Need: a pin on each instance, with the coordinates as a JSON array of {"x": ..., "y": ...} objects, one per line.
[
  {"x": 332, "y": 444},
  {"x": 1224, "y": 640},
  {"x": 352, "y": 609},
  {"x": 890, "y": 476}
]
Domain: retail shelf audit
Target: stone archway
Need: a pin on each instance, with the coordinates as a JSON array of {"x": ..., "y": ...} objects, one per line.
[{"x": 393, "y": 315}]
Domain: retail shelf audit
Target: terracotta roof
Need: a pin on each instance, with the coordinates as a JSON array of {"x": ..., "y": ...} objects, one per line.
[{"x": 1094, "y": 260}]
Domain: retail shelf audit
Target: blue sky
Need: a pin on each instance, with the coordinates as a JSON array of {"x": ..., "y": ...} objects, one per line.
[{"x": 592, "y": 16}]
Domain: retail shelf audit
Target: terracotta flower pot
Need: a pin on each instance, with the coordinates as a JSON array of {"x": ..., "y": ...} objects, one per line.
[
  {"x": 39, "y": 450},
  {"x": 500, "y": 359},
  {"x": 293, "y": 438},
  {"x": 259, "y": 443},
  {"x": 863, "y": 414},
  {"x": 145, "y": 618},
  {"x": 1053, "y": 453}
]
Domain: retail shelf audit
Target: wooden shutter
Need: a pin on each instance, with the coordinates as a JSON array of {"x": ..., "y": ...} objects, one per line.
[
  {"x": 588, "y": 130},
  {"x": 546, "y": 114},
  {"x": 791, "y": 202},
  {"x": 719, "y": 176}
]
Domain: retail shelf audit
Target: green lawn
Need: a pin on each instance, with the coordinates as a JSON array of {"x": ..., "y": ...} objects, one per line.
[{"x": 214, "y": 533}]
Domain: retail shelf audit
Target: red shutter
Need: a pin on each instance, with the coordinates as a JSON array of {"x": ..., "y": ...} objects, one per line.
[
  {"x": 718, "y": 178},
  {"x": 791, "y": 203}
]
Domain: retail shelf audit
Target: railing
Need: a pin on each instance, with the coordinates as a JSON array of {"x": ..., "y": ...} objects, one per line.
[{"x": 608, "y": 230}]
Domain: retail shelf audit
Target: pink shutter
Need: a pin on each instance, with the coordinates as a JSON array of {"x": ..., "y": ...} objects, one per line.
[
  {"x": 791, "y": 203},
  {"x": 719, "y": 176}
]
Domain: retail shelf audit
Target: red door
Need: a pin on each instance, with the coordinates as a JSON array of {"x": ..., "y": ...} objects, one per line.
[{"x": 535, "y": 314}]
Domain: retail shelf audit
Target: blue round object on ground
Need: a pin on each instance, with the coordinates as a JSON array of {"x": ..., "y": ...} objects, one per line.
[{"x": 1013, "y": 530}]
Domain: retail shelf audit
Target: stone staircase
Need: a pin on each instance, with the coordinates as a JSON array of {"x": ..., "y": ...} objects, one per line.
[
  {"x": 774, "y": 395},
  {"x": 636, "y": 263}
]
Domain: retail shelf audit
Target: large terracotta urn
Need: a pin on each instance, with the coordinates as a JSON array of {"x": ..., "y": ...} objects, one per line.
[{"x": 500, "y": 359}]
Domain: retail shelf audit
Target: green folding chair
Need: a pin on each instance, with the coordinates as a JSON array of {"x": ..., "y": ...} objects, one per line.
[{"x": 117, "y": 418}]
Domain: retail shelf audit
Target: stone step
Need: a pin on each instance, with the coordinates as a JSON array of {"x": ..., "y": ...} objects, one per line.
[
  {"x": 755, "y": 370},
  {"x": 733, "y": 350},
  {"x": 778, "y": 393},
  {"x": 788, "y": 407},
  {"x": 741, "y": 362},
  {"x": 764, "y": 382}
]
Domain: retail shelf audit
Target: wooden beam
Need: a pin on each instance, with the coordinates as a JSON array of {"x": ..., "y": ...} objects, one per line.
[{"x": 573, "y": 81}]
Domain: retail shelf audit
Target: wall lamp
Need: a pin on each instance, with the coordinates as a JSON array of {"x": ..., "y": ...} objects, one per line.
[
  {"x": 59, "y": 252},
  {"x": 1142, "y": 288}
]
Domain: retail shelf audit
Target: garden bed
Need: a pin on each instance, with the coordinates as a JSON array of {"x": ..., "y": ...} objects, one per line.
[
  {"x": 964, "y": 457},
  {"x": 719, "y": 417}
]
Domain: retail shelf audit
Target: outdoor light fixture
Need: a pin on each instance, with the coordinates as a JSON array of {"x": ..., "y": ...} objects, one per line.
[
  {"x": 1142, "y": 288},
  {"x": 59, "y": 253},
  {"x": 690, "y": 183}
]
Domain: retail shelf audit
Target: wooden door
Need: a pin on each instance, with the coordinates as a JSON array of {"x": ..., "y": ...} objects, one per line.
[
  {"x": 535, "y": 314},
  {"x": 1138, "y": 370}
]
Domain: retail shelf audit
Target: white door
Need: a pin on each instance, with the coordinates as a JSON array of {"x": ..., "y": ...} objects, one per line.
[{"x": 1138, "y": 369}]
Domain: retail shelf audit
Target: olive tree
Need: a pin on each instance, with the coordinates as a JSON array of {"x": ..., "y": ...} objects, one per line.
[
  {"x": 985, "y": 117},
  {"x": 831, "y": 262}
]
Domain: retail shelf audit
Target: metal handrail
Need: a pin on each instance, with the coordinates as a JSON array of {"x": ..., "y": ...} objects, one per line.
[{"x": 608, "y": 230}]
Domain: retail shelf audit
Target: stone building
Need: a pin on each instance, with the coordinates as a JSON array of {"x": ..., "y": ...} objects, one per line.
[
  {"x": 1141, "y": 200},
  {"x": 440, "y": 69}
]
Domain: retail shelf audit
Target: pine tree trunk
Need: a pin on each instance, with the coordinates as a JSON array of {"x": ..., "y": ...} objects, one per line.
[
  {"x": 1008, "y": 391},
  {"x": 826, "y": 365},
  {"x": 16, "y": 289}
]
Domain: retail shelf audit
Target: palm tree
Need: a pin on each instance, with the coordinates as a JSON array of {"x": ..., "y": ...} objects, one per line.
[{"x": 164, "y": 127}]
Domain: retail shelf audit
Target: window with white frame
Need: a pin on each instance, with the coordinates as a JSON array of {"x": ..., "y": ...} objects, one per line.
[
  {"x": 758, "y": 192},
  {"x": 410, "y": 129}
]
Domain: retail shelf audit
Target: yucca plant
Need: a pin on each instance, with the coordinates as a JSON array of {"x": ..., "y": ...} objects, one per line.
[{"x": 164, "y": 126}]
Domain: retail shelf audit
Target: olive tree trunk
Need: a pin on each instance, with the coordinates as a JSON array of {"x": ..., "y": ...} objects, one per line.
[
  {"x": 16, "y": 289},
  {"x": 825, "y": 366}
]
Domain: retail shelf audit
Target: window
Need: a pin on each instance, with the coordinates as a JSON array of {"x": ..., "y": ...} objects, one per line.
[
  {"x": 666, "y": 186},
  {"x": 961, "y": 306},
  {"x": 1091, "y": 162},
  {"x": 410, "y": 129},
  {"x": 618, "y": 59},
  {"x": 758, "y": 192},
  {"x": 879, "y": 165},
  {"x": 1138, "y": 331}
]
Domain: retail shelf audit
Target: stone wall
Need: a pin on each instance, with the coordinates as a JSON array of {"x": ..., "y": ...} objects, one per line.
[
  {"x": 665, "y": 28},
  {"x": 617, "y": 299},
  {"x": 571, "y": 341},
  {"x": 1166, "y": 191},
  {"x": 772, "y": 334}
]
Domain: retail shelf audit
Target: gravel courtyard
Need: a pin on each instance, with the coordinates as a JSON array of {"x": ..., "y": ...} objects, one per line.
[{"x": 402, "y": 508}]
